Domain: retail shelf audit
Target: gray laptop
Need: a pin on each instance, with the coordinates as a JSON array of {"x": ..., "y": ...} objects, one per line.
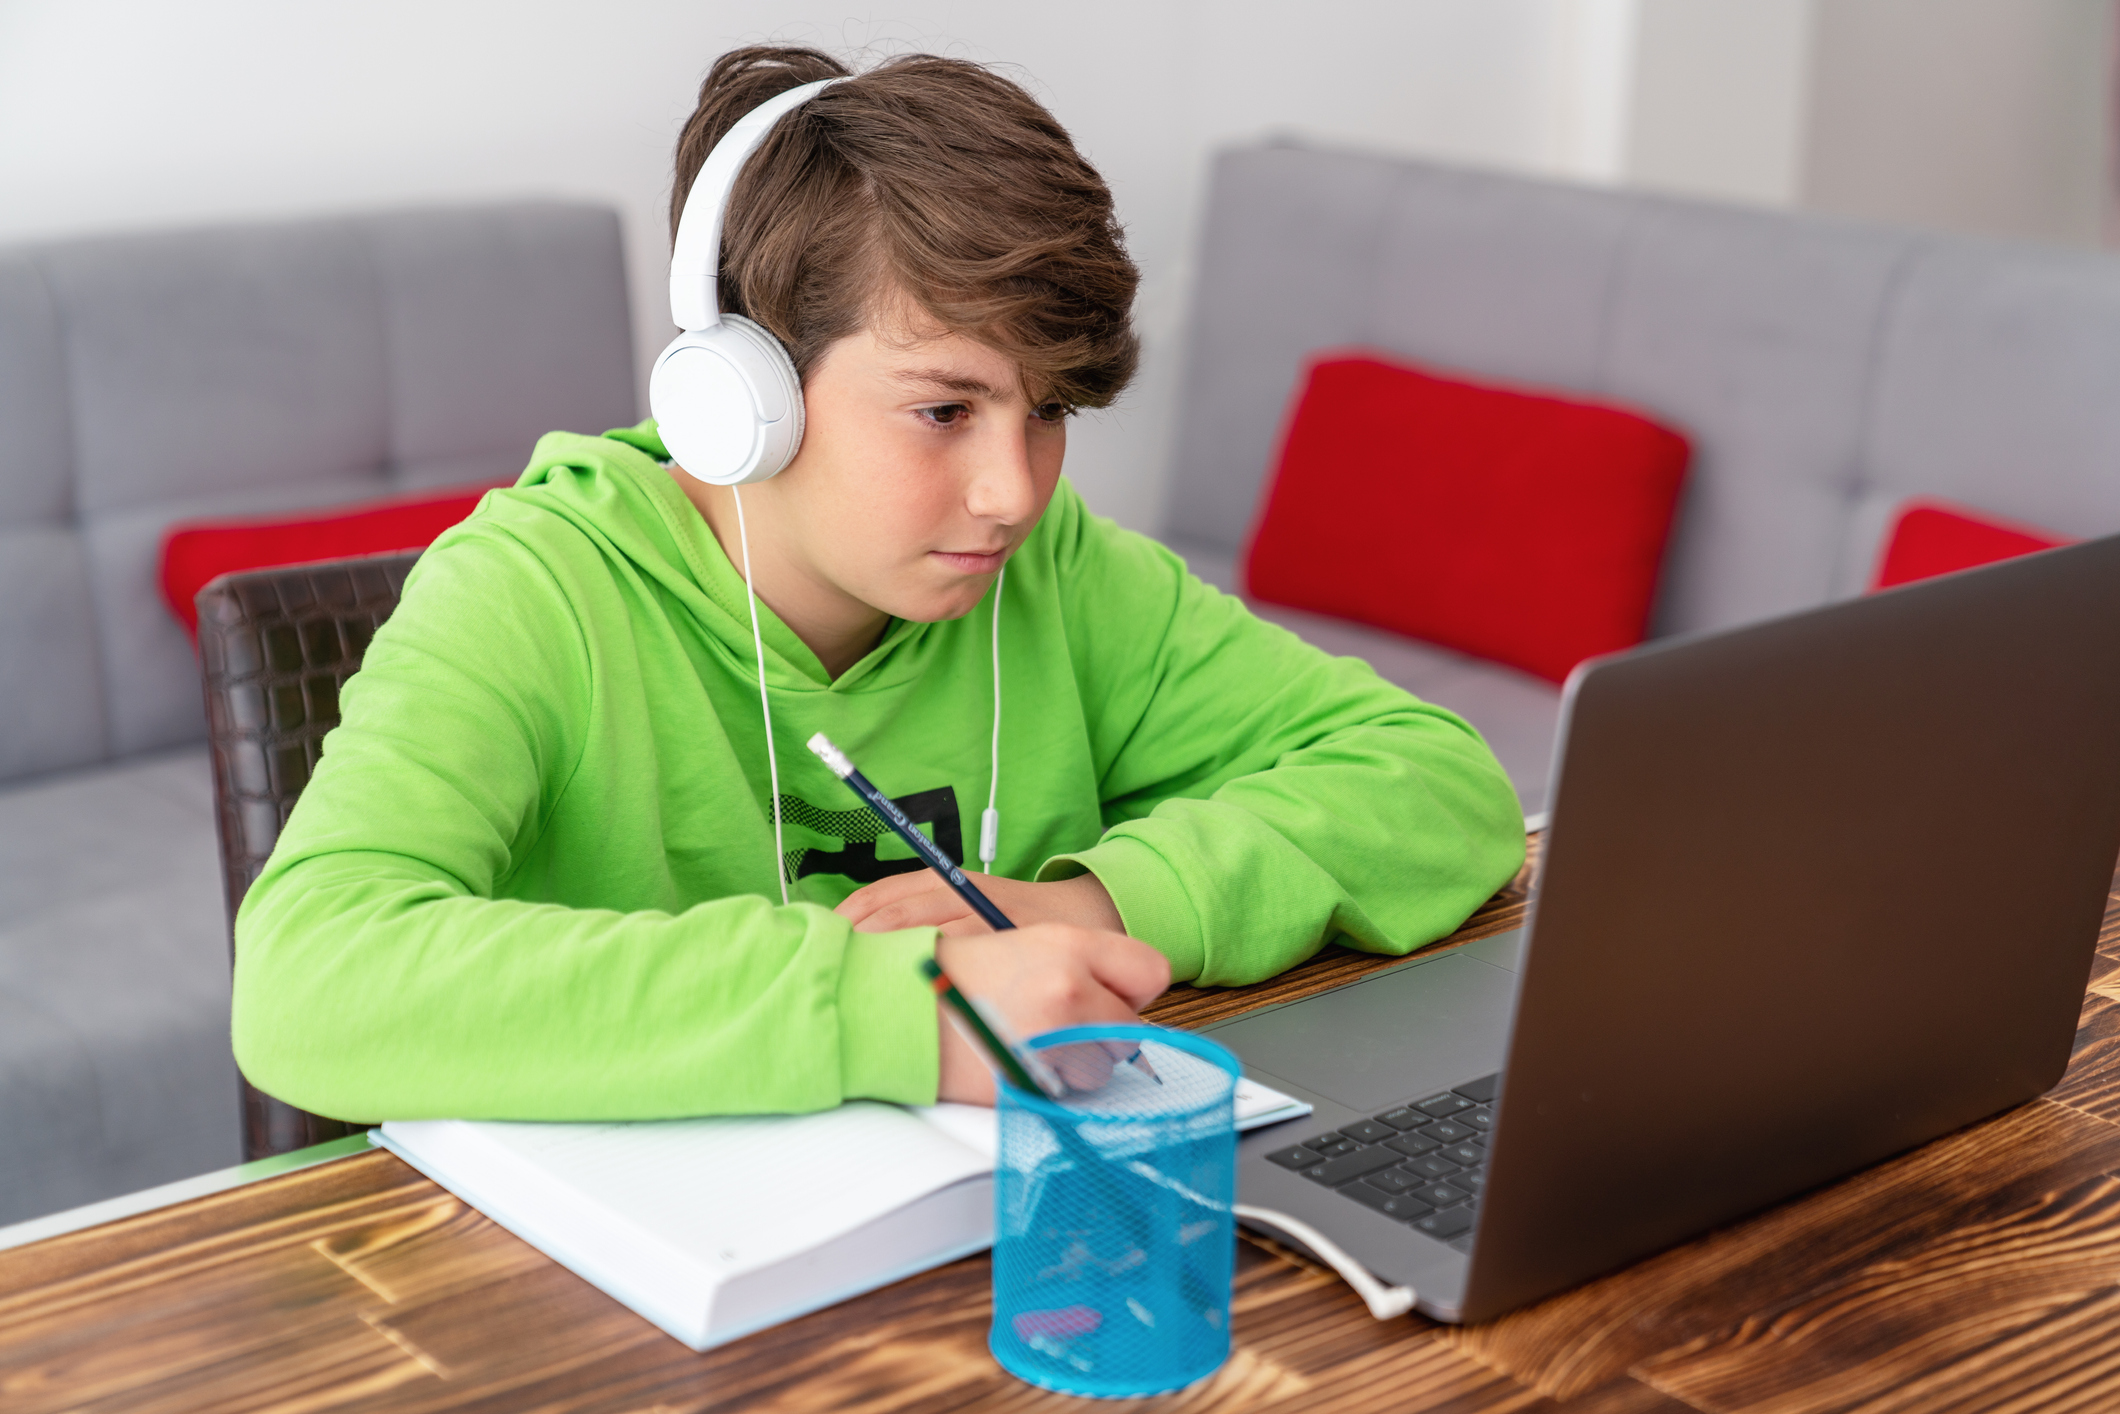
[{"x": 1816, "y": 891}]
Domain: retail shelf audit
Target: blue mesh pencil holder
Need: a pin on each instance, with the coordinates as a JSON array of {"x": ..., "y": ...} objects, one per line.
[{"x": 1114, "y": 1243}]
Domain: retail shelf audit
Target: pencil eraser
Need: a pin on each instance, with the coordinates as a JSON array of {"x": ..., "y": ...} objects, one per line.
[{"x": 832, "y": 756}]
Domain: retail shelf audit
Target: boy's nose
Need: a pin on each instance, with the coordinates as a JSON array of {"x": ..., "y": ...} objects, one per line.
[{"x": 1002, "y": 488}]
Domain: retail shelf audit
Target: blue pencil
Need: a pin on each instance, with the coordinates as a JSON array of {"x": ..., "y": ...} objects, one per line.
[{"x": 887, "y": 810}]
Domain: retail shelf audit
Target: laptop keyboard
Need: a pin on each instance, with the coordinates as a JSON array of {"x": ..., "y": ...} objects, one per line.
[{"x": 1422, "y": 1164}]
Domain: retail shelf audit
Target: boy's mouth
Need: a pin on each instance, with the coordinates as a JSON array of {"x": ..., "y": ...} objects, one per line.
[{"x": 965, "y": 562}]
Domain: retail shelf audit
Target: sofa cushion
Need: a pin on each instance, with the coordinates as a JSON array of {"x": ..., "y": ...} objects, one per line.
[
  {"x": 51, "y": 689},
  {"x": 1935, "y": 537},
  {"x": 1503, "y": 278},
  {"x": 1997, "y": 385},
  {"x": 115, "y": 1068},
  {"x": 1287, "y": 252},
  {"x": 1510, "y": 525},
  {"x": 196, "y": 552},
  {"x": 219, "y": 360},
  {"x": 1757, "y": 333},
  {"x": 502, "y": 324},
  {"x": 33, "y": 406}
]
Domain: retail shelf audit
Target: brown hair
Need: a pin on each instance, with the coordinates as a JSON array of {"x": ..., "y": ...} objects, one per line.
[{"x": 929, "y": 178}]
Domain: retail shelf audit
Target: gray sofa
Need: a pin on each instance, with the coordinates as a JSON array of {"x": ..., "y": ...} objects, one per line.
[
  {"x": 1824, "y": 370},
  {"x": 154, "y": 378}
]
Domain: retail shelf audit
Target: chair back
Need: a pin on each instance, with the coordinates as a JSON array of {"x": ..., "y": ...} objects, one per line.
[{"x": 275, "y": 648}]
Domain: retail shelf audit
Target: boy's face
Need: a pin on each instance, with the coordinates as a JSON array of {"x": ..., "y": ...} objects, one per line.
[{"x": 923, "y": 466}]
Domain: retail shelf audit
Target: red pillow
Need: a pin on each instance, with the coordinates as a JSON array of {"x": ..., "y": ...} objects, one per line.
[
  {"x": 195, "y": 552},
  {"x": 1936, "y": 537},
  {"x": 1526, "y": 528}
]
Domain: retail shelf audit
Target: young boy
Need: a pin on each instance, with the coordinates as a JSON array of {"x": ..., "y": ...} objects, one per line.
[{"x": 535, "y": 875}]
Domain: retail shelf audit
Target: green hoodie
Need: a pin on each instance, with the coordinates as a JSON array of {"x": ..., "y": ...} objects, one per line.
[{"x": 530, "y": 878}]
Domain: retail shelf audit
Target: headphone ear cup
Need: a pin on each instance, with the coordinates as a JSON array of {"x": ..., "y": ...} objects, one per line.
[{"x": 728, "y": 403}]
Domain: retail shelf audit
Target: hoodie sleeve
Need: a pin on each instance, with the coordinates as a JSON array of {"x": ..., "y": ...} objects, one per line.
[
  {"x": 1262, "y": 797},
  {"x": 378, "y": 974}
]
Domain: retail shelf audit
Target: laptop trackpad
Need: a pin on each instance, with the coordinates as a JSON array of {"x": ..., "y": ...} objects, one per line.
[{"x": 1388, "y": 1038}]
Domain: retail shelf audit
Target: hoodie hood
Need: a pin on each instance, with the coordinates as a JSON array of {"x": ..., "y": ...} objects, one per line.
[{"x": 620, "y": 492}]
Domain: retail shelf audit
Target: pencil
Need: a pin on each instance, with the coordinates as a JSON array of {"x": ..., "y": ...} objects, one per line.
[{"x": 930, "y": 854}]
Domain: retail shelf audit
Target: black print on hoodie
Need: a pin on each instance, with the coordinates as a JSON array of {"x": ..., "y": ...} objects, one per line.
[{"x": 858, "y": 829}]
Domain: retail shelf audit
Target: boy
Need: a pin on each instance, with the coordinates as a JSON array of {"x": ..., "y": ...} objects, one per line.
[{"x": 535, "y": 875}]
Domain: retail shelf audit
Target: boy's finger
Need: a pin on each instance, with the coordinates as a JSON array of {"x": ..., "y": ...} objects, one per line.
[
  {"x": 869, "y": 898},
  {"x": 1081, "y": 1067},
  {"x": 927, "y": 911},
  {"x": 1096, "y": 1004},
  {"x": 1134, "y": 971},
  {"x": 925, "y": 908}
]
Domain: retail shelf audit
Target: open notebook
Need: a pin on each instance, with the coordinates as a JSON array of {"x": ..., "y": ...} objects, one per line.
[{"x": 714, "y": 1228}]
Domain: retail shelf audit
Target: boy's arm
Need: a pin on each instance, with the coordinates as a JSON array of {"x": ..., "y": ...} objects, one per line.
[
  {"x": 1261, "y": 796},
  {"x": 378, "y": 977}
]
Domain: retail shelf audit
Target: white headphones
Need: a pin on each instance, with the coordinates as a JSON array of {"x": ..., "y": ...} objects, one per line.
[{"x": 725, "y": 393}]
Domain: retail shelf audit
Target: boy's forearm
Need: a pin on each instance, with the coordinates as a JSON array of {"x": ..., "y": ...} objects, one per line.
[
  {"x": 1223, "y": 889},
  {"x": 365, "y": 991}
]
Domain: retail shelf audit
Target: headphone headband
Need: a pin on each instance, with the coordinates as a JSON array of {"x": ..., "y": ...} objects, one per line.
[{"x": 695, "y": 261}]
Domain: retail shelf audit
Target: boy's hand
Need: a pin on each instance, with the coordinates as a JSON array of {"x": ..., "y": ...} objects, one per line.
[
  {"x": 921, "y": 899},
  {"x": 1040, "y": 978}
]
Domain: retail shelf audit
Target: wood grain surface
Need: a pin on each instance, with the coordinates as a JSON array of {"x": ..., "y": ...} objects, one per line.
[{"x": 1980, "y": 1272}]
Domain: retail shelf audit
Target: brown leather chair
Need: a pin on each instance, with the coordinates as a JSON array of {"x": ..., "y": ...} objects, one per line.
[{"x": 275, "y": 647}]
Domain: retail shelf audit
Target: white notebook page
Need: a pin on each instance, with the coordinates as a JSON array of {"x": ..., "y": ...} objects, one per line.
[{"x": 736, "y": 1194}]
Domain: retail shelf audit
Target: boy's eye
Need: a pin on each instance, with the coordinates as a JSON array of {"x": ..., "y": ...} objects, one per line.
[
  {"x": 1051, "y": 412},
  {"x": 945, "y": 415}
]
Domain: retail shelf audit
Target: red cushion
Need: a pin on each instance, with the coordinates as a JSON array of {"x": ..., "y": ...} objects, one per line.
[
  {"x": 1526, "y": 528},
  {"x": 195, "y": 552},
  {"x": 1936, "y": 537}
]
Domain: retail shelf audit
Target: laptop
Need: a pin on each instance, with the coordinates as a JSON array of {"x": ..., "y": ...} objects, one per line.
[{"x": 1815, "y": 891}]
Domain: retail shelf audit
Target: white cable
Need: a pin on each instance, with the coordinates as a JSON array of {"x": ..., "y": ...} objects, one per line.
[
  {"x": 765, "y": 707},
  {"x": 1385, "y": 1302},
  {"x": 990, "y": 822}
]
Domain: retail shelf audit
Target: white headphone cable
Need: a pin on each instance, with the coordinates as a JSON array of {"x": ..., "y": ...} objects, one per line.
[
  {"x": 990, "y": 822},
  {"x": 1384, "y": 1302},
  {"x": 765, "y": 707}
]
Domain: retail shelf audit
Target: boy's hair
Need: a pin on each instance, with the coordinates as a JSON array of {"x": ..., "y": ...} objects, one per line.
[{"x": 924, "y": 178}]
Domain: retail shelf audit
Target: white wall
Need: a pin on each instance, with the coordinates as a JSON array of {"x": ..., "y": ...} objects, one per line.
[
  {"x": 1591, "y": 110},
  {"x": 1718, "y": 98},
  {"x": 1991, "y": 116},
  {"x": 1994, "y": 117},
  {"x": 1988, "y": 115},
  {"x": 125, "y": 115}
]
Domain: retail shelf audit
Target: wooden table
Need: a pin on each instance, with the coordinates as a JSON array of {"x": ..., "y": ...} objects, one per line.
[{"x": 1979, "y": 1273}]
